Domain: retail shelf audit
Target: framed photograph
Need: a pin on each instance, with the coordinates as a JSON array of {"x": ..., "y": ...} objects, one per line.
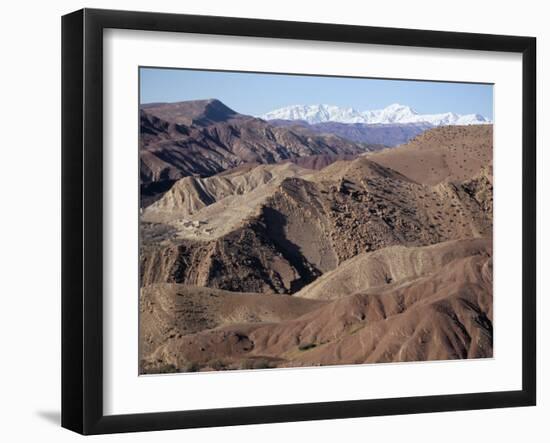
[{"x": 269, "y": 221}]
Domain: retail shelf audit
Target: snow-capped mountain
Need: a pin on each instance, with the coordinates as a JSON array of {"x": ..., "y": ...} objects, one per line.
[{"x": 393, "y": 114}]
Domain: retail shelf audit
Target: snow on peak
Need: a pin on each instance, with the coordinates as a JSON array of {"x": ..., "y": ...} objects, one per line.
[
  {"x": 394, "y": 113},
  {"x": 316, "y": 114}
]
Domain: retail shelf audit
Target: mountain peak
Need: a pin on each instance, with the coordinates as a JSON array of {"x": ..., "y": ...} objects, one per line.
[
  {"x": 394, "y": 113},
  {"x": 191, "y": 111},
  {"x": 397, "y": 107},
  {"x": 318, "y": 113}
]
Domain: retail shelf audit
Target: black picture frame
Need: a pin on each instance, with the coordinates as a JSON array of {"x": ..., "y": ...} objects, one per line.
[{"x": 82, "y": 218}]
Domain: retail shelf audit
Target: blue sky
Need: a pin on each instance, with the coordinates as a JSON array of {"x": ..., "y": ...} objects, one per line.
[{"x": 255, "y": 94}]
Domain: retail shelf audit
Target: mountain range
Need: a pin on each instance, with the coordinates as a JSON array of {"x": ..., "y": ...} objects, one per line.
[
  {"x": 285, "y": 243},
  {"x": 392, "y": 114},
  {"x": 205, "y": 137},
  {"x": 383, "y": 257},
  {"x": 391, "y": 134}
]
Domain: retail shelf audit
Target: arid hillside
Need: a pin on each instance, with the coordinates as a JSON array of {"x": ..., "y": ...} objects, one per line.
[
  {"x": 390, "y": 267},
  {"x": 245, "y": 231},
  {"x": 204, "y": 137},
  {"x": 265, "y": 246},
  {"x": 445, "y": 154},
  {"x": 442, "y": 312}
]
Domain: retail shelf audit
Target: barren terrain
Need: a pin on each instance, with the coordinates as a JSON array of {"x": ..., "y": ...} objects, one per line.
[{"x": 324, "y": 252}]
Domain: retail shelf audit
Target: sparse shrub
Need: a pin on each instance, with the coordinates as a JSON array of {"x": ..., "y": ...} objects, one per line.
[
  {"x": 217, "y": 365},
  {"x": 191, "y": 367},
  {"x": 256, "y": 363},
  {"x": 306, "y": 346},
  {"x": 263, "y": 363},
  {"x": 167, "y": 368}
]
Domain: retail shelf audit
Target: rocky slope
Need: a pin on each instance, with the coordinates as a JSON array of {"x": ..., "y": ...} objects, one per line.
[
  {"x": 378, "y": 257},
  {"x": 171, "y": 311},
  {"x": 391, "y": 267},
  {"x": 447, "y": 154},
  {"x": 205, "y": 137},
  {"x": 443, "y": 312},
  {"x": 277, "y": 228}
]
